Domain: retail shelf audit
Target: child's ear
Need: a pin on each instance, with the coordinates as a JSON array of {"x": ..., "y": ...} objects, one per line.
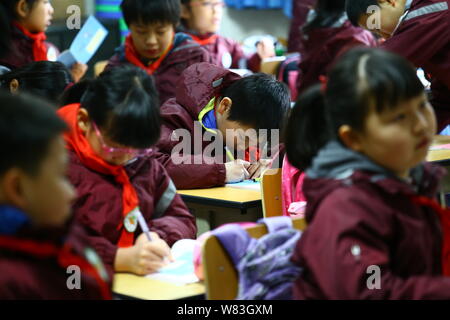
[
  {"x": 14, "y": 86},
  {"x": 22, "y": 9},
  {"x": 224, "y": 106},
  {"x": 12, "y": 188},
  {"x": 185, "y": 12},
  {"x": 84, "y": 123},
  {"x": 350, "y": 138}
]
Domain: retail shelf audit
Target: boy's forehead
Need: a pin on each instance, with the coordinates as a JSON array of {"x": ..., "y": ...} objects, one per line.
[{"x": 152, "y": 24}]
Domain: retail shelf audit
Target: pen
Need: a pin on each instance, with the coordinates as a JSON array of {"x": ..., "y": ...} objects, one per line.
[{"x": 143, "y": 224}]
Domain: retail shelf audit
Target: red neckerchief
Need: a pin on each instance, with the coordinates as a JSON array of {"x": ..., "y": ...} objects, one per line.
[
  {"x": 132, "y": 56},
  {"x": 77, "y": 142},
  {"x": 444, "y": 216},
  {"x": 64, "y": 256},
  {"x": 204, "y": 40},
  {"x": 39, "y": 46}
]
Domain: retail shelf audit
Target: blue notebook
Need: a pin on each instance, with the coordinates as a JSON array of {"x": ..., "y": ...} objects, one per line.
[{"x": 85, "y": 44}]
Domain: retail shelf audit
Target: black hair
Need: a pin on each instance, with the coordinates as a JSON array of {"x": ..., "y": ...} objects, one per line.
[
  {"x": 151, "y": 11},
  {"x": 123, "y": 101},
  {"x": 364, "y": 78},
  {"x": 258, "y": 101},
  {"x": 327, "y": 13},
  {"x": 7, "y": 15},
  {"x": 356, "y": 8},
  {"x": 75, "y": 92},
  {"x": 27, "y": 127},
  {"x": 44, "y": 79}
]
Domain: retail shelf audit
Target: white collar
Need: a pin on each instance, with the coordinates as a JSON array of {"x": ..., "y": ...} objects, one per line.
[{"x": 407, "y": 7}]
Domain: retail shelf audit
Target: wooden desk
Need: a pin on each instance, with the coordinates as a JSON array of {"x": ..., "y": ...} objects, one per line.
[
  {"x": 226, "y": 197},
  {"x": 441, "y": 157},
  {"x": 214, "y": 207},
  {"x": 129, "y": 286}
]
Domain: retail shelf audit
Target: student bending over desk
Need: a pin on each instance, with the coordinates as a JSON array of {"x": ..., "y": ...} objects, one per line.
[{"x": 213, "y": 101}]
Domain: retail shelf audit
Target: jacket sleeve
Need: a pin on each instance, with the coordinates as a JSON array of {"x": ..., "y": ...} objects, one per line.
[
  {"x": 345, "y": 239},
  {"x": 83, "y": 214},
  {"x": 171, "y": 218},
  {"x": 422, "y": 40},
  {"x": 192, "y": 171}
]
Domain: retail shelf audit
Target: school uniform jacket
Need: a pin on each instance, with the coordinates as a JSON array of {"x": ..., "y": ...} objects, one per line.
[
  {"x": 98, "y": 206},
  {"x": 423, "y": 37},
  {"x": 184, "y": 53},
  {"x": 227, "y": 53},
  {"x": 26, "y": 275},
  {"x": 196, "y": 87},
  {"x": 299, "y": 13},
  {"x": 21, "y": 51},
  {"x": 362, "y": 223},
  {"x": 323, "y": 46}
]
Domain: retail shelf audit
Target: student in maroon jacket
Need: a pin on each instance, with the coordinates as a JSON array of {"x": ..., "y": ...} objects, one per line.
[
  {"x": 23, "y": 24},
  {"x": 116, "y": 175},
  {"x": 201, "y": 19},
  {"x": 327, "y": 35},
  {"x": 213, "y": 99},
  {"x": 41, "y": 252},
  {"x": 419, "y": 30},
  {"x": 375, "y": 230},
  {"x": 300, "y": 9},
  {"x": 153, "y": 44}
]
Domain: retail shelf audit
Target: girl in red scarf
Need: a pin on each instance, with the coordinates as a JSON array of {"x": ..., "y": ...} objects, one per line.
[
  {"x": 116, "y": 177},
  {"x": 23, "y": 24}
]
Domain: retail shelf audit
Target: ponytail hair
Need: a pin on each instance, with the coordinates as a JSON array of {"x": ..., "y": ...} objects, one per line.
[
  {"x": 363, "y": 79},
  {"x": 306, "y": 131},
  {"x": 74, "y": 93}
]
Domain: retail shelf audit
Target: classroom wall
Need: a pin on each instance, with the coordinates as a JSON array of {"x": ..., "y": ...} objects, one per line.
[{"x": 239, "y": 24}]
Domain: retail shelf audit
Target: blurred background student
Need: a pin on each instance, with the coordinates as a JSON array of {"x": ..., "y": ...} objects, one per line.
[
  {"x": 45, "y": 79},
  {"x": 201, "y": 19},
  {"x": 23, "y": 26}
]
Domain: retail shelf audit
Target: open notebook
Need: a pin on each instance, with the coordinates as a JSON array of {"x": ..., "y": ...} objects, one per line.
[
  {"x": 181, "y": 271},
  {"x": 247, "y": 185},
  {"x": 85, "y": 44}
]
